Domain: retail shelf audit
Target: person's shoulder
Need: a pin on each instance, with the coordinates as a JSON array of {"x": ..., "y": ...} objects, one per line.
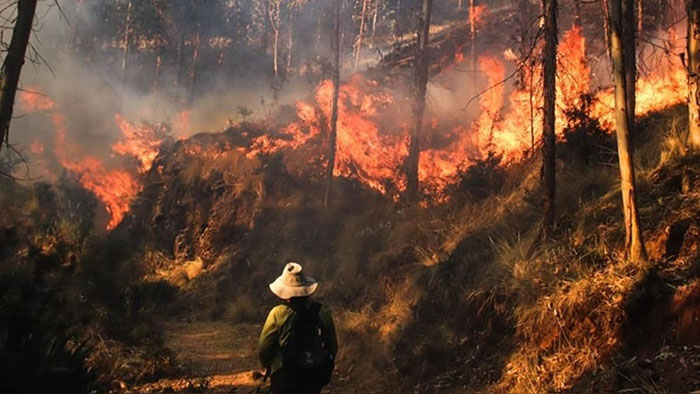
[{"x": 280, "y": 310}]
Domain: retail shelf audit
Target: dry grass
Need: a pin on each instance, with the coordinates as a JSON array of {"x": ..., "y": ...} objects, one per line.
[{"x": 244, "y": 309}]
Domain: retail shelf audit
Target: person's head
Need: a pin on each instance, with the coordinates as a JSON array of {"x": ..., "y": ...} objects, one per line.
[{"x": 293, "y": 283}]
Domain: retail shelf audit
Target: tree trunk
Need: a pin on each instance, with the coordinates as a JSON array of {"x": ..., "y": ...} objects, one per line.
[
  {"x": 577, "y": 13},
  {"x": 12, "y": 67},
  {"x": 374, "y": 21},
  {"x": 358, "y": 45},
  {"x": 332, "y": 138},
  {"x": 549, "y": 71},
  {"x": 421, "y": 85},
  {"x": 178, "y": 67},
  {"x": 606, "y": 26},
  {"x": 629, "y": 48},
  {"x": 156, "y": 76},
  {"x": 694, "y": 73},
  {"x": 275, "y": 56},
  {"x": 472, "y": 39},
  {"x": 640, "y": 16},
  {"x": 127, "y": 31},
  {"x": 196, "y": 43},
  {"x": 290, "y": 46},
  {"x": 634, "y": 244},
  {"x": 273, "y": 13}
]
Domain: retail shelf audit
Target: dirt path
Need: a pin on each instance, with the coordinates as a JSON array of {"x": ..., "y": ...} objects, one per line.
[{"x": 221, "y": 356}]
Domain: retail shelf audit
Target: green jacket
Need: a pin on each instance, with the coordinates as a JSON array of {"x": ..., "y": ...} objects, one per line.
[{"x": 275, "y": 334}]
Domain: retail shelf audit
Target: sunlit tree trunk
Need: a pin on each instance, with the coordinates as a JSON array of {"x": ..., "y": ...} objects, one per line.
[
  {"x": 694, "y": 73},
  {"x": 420, "y": 87},
  {"x": 12, "y": 67},
  {"x": 640, "y": 16},
  {"x": 127, "y": 38},
  {"x": 332, "y": 138},
  {"x": 374, "y": 21},
  {"x": 634, "y": 244},
  {"x": 358, "y": 42},
  {"x": 549, "y": 71},
  {"x": 629, "y": 48},
  {"x": 273, "y": 13}
]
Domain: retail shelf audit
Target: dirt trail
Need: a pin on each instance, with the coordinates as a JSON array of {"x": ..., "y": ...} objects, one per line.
[{"x": 221, "y": 357}]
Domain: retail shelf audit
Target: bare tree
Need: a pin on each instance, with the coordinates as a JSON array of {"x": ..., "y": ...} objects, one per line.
[
  {"x": 634, "y": 244},
  {"x": 694, "y": 73},
  {"x": 549, "y": 71},
  {"x": 358, "y": 41},
  {"x": 332, "y": 138},
  {"x": 420, "y": 87},
  {"x": 273, "y": 14},
  {"x": 14, "y": 60}
]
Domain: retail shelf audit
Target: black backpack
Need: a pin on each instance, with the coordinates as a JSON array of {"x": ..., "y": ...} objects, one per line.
[{"x": 307, "y": 354}]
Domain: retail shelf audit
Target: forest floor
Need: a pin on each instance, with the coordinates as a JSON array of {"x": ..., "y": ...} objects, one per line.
[{"x": 220, "y": 357}]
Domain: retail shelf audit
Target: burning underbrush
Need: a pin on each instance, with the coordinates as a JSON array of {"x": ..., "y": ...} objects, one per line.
[{"x": 455, "y": 293}]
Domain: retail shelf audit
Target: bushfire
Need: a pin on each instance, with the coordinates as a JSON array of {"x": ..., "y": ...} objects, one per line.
[{"x": 371, "y": 145}]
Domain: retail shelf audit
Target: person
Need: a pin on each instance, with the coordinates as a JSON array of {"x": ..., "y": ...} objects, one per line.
[{"x": 298, "y": 344}]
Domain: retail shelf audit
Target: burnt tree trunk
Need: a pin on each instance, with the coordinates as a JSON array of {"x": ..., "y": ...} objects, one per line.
[
  {"x": 420, "y": 89},
  {"x": 694, "y": 74},
  {"x": 332, "y": 138},
  {"x": 549, "y": 71},
  {"x": 12, "y": 67},
  {"x": 634, "y": 244}
]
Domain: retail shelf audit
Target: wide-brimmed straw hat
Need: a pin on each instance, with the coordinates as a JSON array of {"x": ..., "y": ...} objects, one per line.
[{"x": 293, "y": 283}]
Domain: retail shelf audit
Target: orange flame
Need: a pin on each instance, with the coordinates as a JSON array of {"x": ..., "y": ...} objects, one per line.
[
  {"x": 142, "y": 143},
  {"x": 115, "y": 188}
]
